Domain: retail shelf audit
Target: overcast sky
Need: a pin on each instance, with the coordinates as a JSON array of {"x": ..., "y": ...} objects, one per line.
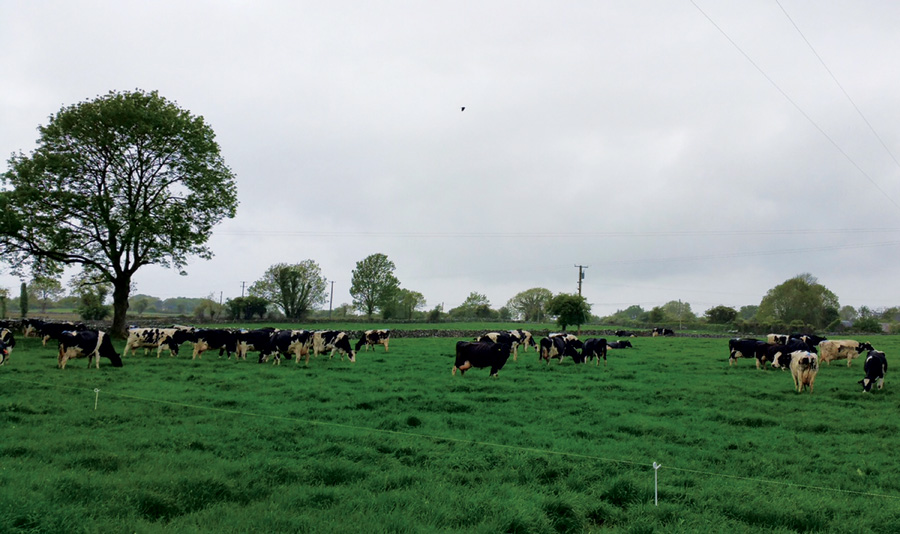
[{"x": 697, "y": 150}]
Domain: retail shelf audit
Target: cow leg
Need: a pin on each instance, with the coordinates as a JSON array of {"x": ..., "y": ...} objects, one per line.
[{"x": 385, "y": 345}]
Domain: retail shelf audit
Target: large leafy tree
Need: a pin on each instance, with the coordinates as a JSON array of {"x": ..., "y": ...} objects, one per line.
[
  {"x": 569, "y": 309},
  {"x": 531, "y": 303},
  {"x": 116, "y": 183},
  {"x": 801, "y": 298},
  {"x": 373, "y": 284},
  {"x": 45, "y": 291},
  {"x": 721, "y": 314},
  {"x": 296, "y": 289}
]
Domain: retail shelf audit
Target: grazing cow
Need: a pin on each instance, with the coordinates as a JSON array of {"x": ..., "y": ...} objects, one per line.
[
  {"x": 840, "y": 349},
  {"x": 773, "y": 352},
  {"x": 508, "y": 338},
  {"x": 146, "y": 338},
  {"x": 90, "y": 343},
  {"x": 810, "y": 339},
  {"x": 4, "y": 353},
  {"x": 777, "y": 339},
  {"x": 8, "y": 340},
  {"x": 257, "y": 340},
  {"x": 594, "y": 348},
  {"x": 30, "y": 326},
  {"x": 47, "y": 330},
  {"x": 747, "y": 348},
  {"x": 560, "y": 346},
  {"x": 875, "y": 368},
  {"x": 622, "y": 344},
  {"x": 525, "y": 339},
  {"x": 804, "y": 366},
  {"x": 624, "y": 333},
  {"x": 370, "y": 338},
  {"x": 325, "y": 340},
  {"x": 285, "y": 343},
  {"x": 662, "y": 332},
  {"x": 478, "y": 354}
]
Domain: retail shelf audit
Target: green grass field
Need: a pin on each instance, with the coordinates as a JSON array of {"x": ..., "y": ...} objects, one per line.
[{"x": 394, "y": 443}]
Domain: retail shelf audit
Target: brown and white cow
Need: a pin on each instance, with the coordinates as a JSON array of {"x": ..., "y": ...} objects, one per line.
[
  {"x": 370, "y": 338},
  {"x": 842, "y": 349},
  {"x": 804, "y": 367}
]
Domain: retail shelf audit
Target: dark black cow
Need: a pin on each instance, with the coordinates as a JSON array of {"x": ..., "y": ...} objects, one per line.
[
  {"x": 286, "y": 343},
  {"x": 325, "y": 340},
  {"x": 560, "y": 346},
  {"x": 875, "y": 368},
  {"x": 657, "y": 331},
  {"x": 477, "y": 354},
  {"x": 594, "y": 348},
  {"x": 90, "y": 343},
  {"x": 508, "y": 338},
  {"x": 370, "y": 338},
  {"x": 747, "y": 348},
  {"x": 622, "y": 344},
  {"x": 624, "y": 333}
]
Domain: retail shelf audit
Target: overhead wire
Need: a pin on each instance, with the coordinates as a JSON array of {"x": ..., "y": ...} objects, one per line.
[
  {"x": 797, "y": 106},
  {"x": 840, "y": 86}
]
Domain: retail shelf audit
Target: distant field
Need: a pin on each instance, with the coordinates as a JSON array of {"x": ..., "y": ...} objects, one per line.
[{"x": 394, "y": 443}]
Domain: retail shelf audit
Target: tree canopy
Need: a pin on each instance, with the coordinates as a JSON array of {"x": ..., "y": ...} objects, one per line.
[
  {"x": 116, "y": 183},
  {"x": 721, "y": 314},
  {"x": 569, "y": 309},
  {"x": 530, "y": 304},
  {"x": 801, "y": 298},
  {"x": 295, "y": 289},
  {"x": 373, "y": 284}
]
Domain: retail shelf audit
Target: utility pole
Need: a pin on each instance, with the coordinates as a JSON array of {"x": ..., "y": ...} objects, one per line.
[
  {"x": 242, "y": 288},
  {"x": 581, "y": 269},
  {"x": 331, "y": 299}
]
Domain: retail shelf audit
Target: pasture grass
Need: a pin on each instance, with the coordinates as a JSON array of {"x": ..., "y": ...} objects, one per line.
[{"x": 394, "y": 443}]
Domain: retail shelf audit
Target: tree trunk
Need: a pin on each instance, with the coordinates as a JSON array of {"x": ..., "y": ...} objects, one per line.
[{"x": 121, "y": 289}]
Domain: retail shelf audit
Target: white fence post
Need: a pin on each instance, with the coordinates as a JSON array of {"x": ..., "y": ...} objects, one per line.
[{"x": 656, "y": 467}]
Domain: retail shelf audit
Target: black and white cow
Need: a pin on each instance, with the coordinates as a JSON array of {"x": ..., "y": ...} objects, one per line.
[
  {"x": 559, "y": 346},
  {"x": 90, "y": 343},
  {"x": 205, "y": 339},
  {"x": 370, "y": 338},
  {"x": 147, "y": 338},
  {"x": 621, "y": 344},
  {"x": 256, "y": 340},
  {"x": 810, "y": 339},
  {"x": 525, "y": 339},
  {"x": 479, "y": 355},
  {"x": 747, "y": 348},
  {"x": 774, "y": 352},
  {"x": 657, "y": 331},
  {"x": 875, "y": 368},
  {"x": 286, "y": 343},
  {"x": 623, "y": 333},
  {"x": 594, "y": 348},
  {"x": 325, "y": 340},
  {"x": 4, "y": 353},
  {"x": 508, "y": 338},
  {"x": 48, "y": 330},
  {"x": 9, "y": 342}
]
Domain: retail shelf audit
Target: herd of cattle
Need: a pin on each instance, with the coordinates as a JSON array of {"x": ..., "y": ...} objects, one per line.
[
  {"x": 75, "y": 340},
  {"x": 802, "y": 353},
  {"x": 494, "y": 348}
]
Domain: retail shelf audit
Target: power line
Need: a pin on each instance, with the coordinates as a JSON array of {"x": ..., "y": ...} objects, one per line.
[
  {"x": 797, "y": 107},
  {"x": 841, "y": 87}
]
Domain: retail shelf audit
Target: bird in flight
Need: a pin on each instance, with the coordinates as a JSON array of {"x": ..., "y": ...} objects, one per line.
[{"x": 462, "y": 108}]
